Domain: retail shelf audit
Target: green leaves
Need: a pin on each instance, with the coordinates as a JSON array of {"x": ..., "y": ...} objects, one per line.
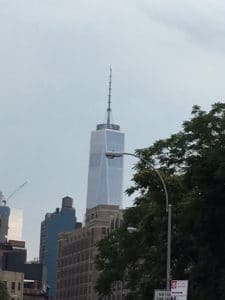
[
  {"x": 4, "y": 295},
  {"x": 192, "y": 163}
]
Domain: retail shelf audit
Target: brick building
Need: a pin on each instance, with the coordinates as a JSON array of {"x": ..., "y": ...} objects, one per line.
[{"x": 76, "y": 273}]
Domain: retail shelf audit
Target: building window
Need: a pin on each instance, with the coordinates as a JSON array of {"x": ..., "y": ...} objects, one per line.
[
  {"x": 112, "y": 225},
  {"x": 13, "y": 287}
]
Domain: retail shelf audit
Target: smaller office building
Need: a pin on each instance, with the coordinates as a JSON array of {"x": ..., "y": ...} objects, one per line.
[
  {"x": 13, "y": 259},
  {"x": 76, "y": 272},
  {"x": 31, "y": 291}
]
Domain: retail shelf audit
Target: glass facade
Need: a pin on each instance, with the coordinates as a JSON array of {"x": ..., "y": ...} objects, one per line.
[
  {"x": 15, "y": 224},
  {"x": 11, "y": 224},
  {"x": 59, "y": 221},
  {"x": 105, "y": 176}
]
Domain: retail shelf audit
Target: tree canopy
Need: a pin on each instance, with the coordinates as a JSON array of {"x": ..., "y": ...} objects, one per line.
[
  {"x": 4, "y": 295},
  {"x": 192, "y": 163}
]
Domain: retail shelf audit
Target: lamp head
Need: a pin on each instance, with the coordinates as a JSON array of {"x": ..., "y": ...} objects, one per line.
[{"x": 113, "y": 154}]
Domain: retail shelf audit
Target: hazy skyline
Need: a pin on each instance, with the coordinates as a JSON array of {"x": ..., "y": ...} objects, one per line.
[{"x": 55, "y": 57}]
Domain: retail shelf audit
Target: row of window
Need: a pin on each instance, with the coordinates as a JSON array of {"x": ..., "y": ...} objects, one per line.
[
  {"x": 75, "y": 291},
  {"x": 84, "y": 293},
  {"x": 75, "y": 257},
  {"x": 75, "y": 269},
  {"x": 71, "y": 281},
  {"x": 65, "y": 248},
  {"x": 13, "y": 286},
  {"x": 78, "y": 242}
]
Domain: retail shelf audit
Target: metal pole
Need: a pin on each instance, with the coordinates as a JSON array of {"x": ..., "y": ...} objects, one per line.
[
  {"x": 112, "y": 154},
  {"x": 168, "y": 260}
]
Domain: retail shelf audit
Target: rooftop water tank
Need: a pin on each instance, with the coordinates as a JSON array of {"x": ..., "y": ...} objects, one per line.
[{"x": 67, "y": 202}]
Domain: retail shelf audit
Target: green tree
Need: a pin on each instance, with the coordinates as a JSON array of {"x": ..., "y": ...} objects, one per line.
[
  {"x": 4, "y": 295},
  {"x": 193, "y": 165}
]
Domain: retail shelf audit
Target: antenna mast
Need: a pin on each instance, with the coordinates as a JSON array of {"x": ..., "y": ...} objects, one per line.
[{"x": 109, "y": 99}]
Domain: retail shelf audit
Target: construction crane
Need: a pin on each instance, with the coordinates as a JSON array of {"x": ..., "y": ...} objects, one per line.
[{"x": 14, "y": 192}]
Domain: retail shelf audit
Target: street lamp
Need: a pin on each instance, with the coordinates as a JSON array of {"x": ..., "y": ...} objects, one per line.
[{"x": 111, "y": 155}]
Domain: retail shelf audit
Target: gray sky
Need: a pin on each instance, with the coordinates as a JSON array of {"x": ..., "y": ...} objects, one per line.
[{"x": 54, "y": 66}]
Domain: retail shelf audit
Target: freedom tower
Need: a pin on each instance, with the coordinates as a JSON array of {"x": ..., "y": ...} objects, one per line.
[{"x": 105, "y": 176}]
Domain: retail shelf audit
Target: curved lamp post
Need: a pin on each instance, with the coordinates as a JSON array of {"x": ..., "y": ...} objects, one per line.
[{"x": 112, "y": 154}]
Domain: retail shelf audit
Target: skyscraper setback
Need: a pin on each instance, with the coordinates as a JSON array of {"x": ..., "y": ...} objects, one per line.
[{"x": 105, "y": 176}]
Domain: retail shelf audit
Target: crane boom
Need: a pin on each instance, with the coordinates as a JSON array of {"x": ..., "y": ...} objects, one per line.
[{"x": 15, "y": 191}]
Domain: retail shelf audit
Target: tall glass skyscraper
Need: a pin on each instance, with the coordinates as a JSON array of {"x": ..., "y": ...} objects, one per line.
[
  {"x": 105, "y": 176},
  {"x": 11, "y": 222}
]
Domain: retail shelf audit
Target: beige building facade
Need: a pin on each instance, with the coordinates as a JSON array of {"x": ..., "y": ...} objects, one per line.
[
  {"x": 14, "y": 283},
  {"x": 76, "y": 273}
]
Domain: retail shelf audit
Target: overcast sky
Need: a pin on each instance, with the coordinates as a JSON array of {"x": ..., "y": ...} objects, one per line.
[{"x": 54, "y": 66}]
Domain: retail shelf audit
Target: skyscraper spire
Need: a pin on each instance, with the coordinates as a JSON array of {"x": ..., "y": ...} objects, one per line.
[
  {"x": 109, "y": 99},
  {"x": 105, "y": 178},
  {"x": 108, "y": 123}
]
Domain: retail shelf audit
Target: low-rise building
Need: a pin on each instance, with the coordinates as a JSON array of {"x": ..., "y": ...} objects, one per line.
[
  {"x": 13, "y": 260},
  {"x": 32, "y": 291},
  {"x": 14, "y": 283}
]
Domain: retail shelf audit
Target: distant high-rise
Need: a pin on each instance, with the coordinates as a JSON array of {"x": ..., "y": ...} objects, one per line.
[
  {"x": 4, "y": 223},
  {"x": 105, "y": 176},
  {"x": 54, "y": 223},
  {"x": 11, "y": 221}
]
